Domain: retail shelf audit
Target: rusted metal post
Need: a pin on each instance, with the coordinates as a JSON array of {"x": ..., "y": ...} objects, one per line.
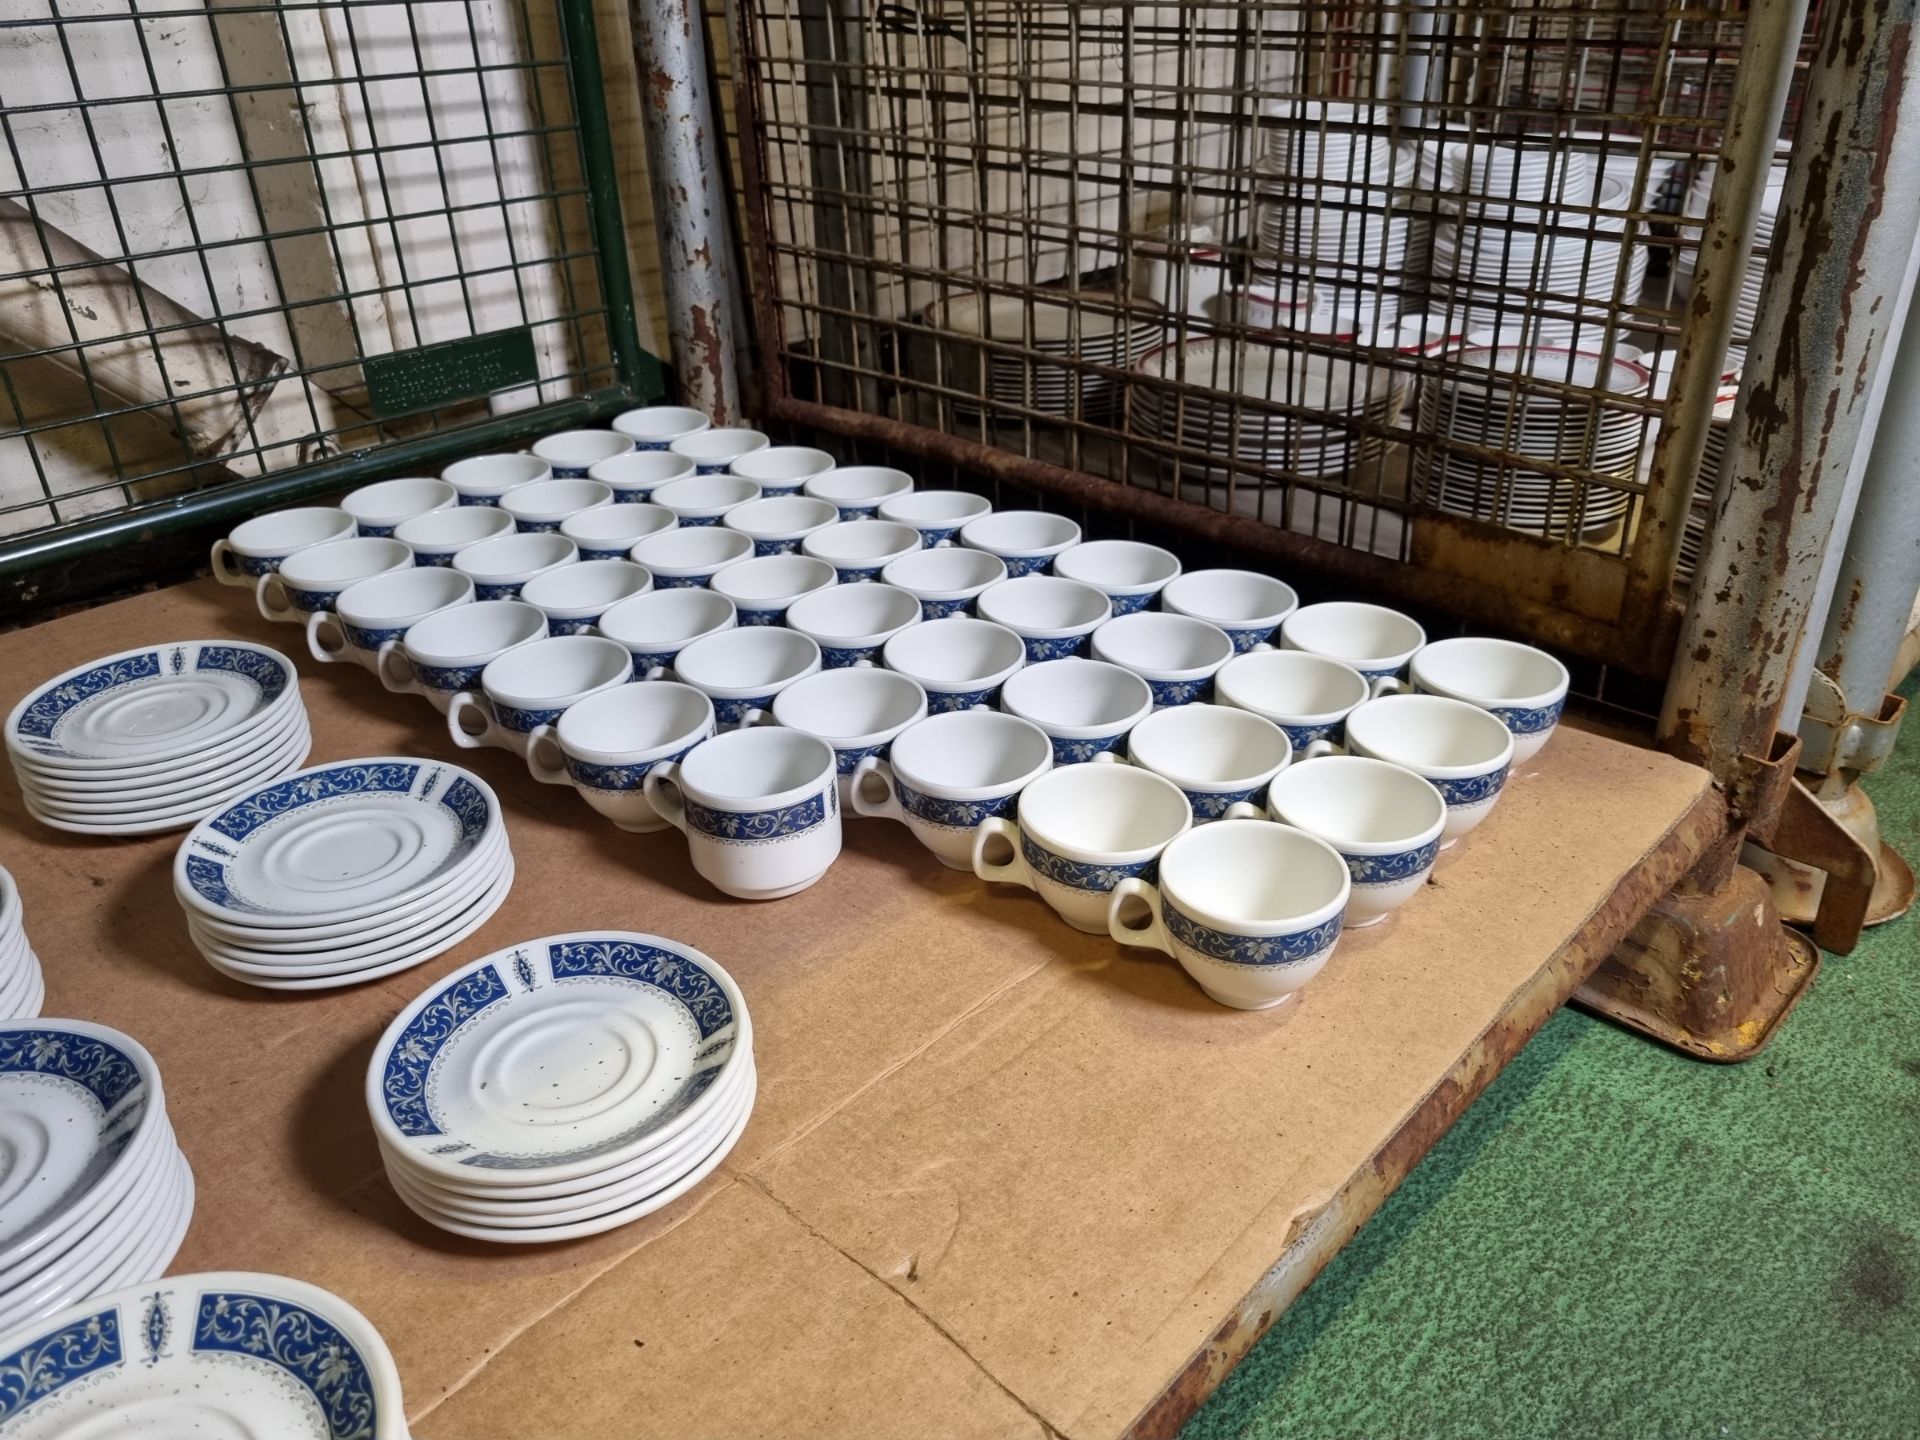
[{"x": 689, "y": 203}]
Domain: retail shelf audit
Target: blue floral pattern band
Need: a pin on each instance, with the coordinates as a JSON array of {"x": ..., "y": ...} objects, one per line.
[{"x": 1260, "y": 950}]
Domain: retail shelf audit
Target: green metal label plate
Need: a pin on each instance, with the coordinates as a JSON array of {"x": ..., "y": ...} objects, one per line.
[{"x": 414, "y": 380}]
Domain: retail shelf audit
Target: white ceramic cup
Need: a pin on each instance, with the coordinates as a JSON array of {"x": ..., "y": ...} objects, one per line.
[
  {"x": 858, "y": 490},
  {"x": 257, "y": 546},
  {"x": 760, "y": 809},
  {"x": 1384, "y": 820},
  {"x": 859, "y": 550},
  {"x": 1087, "y": 707},
  {"x": 1250, "y": 909},
  {"x": 1176, "y": 655},
  {"x": 782, "y": 469},
  {"x": 961, "y": 664},
  {"x": 704, "y": 499},
  {"x": 1308, "y": 696},
  {"x": 858, "y": 712},
  {"x": 657, "y": 625},
  {"x": 634, "y": 476},
  {"x": 946, "y": 582},
  {"x": 762, "y": 588},
  {"x": 542, "y": 506},
  {"x": 683, "y": 558},
  {"x": 1221, "y": 758},
  {"x": 572, "y": 453},
  {"x": 778, "y": 523},
  {"x": 1081, "y": 831},
  {"x": 1054, "y": 617},
  {"x": 1526, "y": 688},
  {"x": 605, "y": 745},
  {"x": 936, "y": 514},
  {"x": 1372, "y": 639},
  {"x": 483, "y": 479},
  {"x": 439, "y": 535},
  {"x": 712, "y": 451},
  {"x": 533, "y": 685},
  {"x": 574, "y": 597},
  {"x": 655, "y": 427},
  {"x": 611, "y": 531},
  {"x": 373, "y": 613},
  {"x": 1128, "y": 572},
  {"x": 949, "y": 772},
  {"x": 743, "y": 669},
  {"x": 312, "y": 579},
  {"x": 1247, "y": 605},
  {"x": 378, "y": 508},
  {"x": 502, "y": 566},
  {"x": 851, "y": 623},
  {"x": 1462, "y": 749},
  {"x": 445, "y": 653},
  {"x": 1027, "y": 540}
]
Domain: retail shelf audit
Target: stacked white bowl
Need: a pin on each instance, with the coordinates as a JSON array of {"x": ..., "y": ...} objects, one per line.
[
  {"x": 152, "y": 739},
  {"x": 98, "y": 1195},
  {"x": 22, "y": 988},
  {"x": 563, "y": 1086}
]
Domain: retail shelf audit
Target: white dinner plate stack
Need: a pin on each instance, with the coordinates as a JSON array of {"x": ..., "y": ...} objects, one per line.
[
  {"x": 1088, "y": 327},
  {"x": 96, "y": 1193},
  {"x": 344, "y": 872},
  {"x": 22, "y": 988},
  {"x": 1693, "y": 537},
  {"x": 154, "y": 738},
  {"x": 1746, "y": 309},
  {"x": 563, "y": 1086}
]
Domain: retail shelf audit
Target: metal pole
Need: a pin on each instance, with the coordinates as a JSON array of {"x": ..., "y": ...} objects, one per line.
[{"x": 689, "y": 203}]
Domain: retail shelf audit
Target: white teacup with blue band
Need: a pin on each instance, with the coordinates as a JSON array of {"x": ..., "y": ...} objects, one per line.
[
  {"x": 1384, "y": 820},
  {"x": 533, "y": 685},
  {"x": 704, "y": 499},
  {"x": 682, "y": 558},
  {"x": 655, "y": 427},
  {"x": 936, "y": 514},
  {"x": 611, "y": 531},
  {"x": 1308, "y": 696},
  {"x": 1526, "y": 688},
  {"x": 312, "y": 579},
  {"x": 1462, "y": 749},
  {"x": 634, "y": 477},
  {"x": 376, "y": 612},
  {"x": 778, "y": 523},
  {"x": 574, "y": 597},
  {"x": 572, "y": 453},
  {"x": 741, "y": 670},
  {"x": 439, "y": 535},
  {"x": 1176, "y": 655},
  {"x": 1087, "y": 707},
  {"x": 762, "y": 588},
  {"x": 859, "y": 550},
  {"x": 852, "y": 623},
  {"x": 445, "y": 653},
  {"x": 712, "y": 451},
  {"x": 1372, "y": 639},
  {"x": 1053, "y": 617},
  {"x": 782, "y": 469},
  {"x": 1081, "y": 831},
  {"x": 543, "y": 506},
  {"x": 1247, "y": 605},
  {"x": 946, "y": 582},
  {"x": 1129, "y": 573},
  {"x": 1250, "y": 909},
  {"x": 1027, "y": 540},
  {"x": 960, "y": 663},
  {"x": 257, "y": 546},
  {"x": 946, "y": 774},
  {"x": 858, "y": 712},
  {"x": 483, "y": 479},
  {"x": 502, "y": 566},
  {"x": 378, "y": 508},
  {"x": 760, "y": 809},
  {"x": 1222, "y": 759},
  {"x": 858, "y": 490},
  {"x": 608, "y": 742},
  {"x": 657, "y": 626}
]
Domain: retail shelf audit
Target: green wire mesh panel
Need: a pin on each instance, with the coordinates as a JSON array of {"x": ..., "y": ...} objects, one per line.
[{"x": 249, "y": 251}]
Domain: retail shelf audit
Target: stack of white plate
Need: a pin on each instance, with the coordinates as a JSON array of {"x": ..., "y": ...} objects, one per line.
[
  {"x": 344, "y": 872},
  {"x": 1330, "y": 207},
  {"x": 97, "y": 1194},
  {"x": 563, "y": 1087},
  {"x": 1693, "y": 537},
  {"x": 221, "y": 1354},
  {"x": 22, "y": 989},
  {"x": 154, "y": 738},
  {"x": 1746, "y": 309},
  {"x": 1088, "y": 327}
]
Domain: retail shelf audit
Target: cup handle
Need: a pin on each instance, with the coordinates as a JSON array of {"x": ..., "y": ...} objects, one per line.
[
  {"x": 1385, "y": 685},
  {"x": 394, "y": 668},
  {"x": 668, "y": 804},
  {"x": 271, "y": 583},
  {"x": 1316, "y": 748},
  {"x": 657, "y": 672},
  {"x": 754, "y": 716},
  {"x": 1016, "y": 871},
  {"x": 547, "y": 772},
  {"x": 1258, "y": 646},
  {"x": 221, "y": 561},
  {"x": 1244, "y": 810},
  {"x": 462, "y": 702},
  {"x": 887, "y": 807},
  {"x": 318, "y": 621},
  {"x": 863, "y": 663},
  {"x": 1107, "y": 757},
  {"x": 1153, "y": 935}
]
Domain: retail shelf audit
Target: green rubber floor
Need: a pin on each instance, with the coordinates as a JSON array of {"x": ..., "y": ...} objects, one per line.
[{"x": 1617, "y": 1242}]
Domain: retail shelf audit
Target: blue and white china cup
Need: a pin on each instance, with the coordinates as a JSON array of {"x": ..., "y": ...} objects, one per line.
[
  {"x": 945, "y": 582},
  {"x": 1087, "y": 707},
  {"x": 1372, "y": 639},
  {"x": 1129, "y": 572},
  {"x": 657, "y": 626},
  {"x": 1385, "y": 821},
  {"x": 605, "y": 745},
  {"x": 655, "y": 427},
  {"x": 572, "y": 453},
  {"x": 543, "y": 506},
  {"x": 1308, "y": 696},
  {"x": 1176, "y": 655},
  {"x": 1081, "y": 831},
  {"x": 534, "y": 685},
  {"x": 712, "y": 451},
  {"x": 1222, "y": 759},
  {"x": 778, "y": 523},
  {"x": 859, "y": 550},
  {"x": 704, "y": 499},
  {"x": 1027, "y": 540},
  {"x": 501, "y": 567},
  {"x": 1053, "y": 617},
  {"x": 760, "y": 809},
  {"x": 936, "y": 514},
  {"x": 257, "y": 546},
  {"x": 1526, "y": 688},
  {"x": 1465, "y": 751},
  {"x": 634, "y": 477},
  {"x": 444, "y": 654},
  {"x": 574, "y": 597},
  {"x": 949, "y": 772},
  {"x": 961, "y": 663},
  {"x": 312, "y": 579},
  {"x": 611, "y": 531},
  {"x": 743, "y": 669},
  {"x": 379, "y": 610},
  {"x": 683, "y": 558},
  {"x": 439, "y": 535},
  {"x": 858, "y": 490},
  {"x": 378, "y": 508},
  {"x": 1250, "y": 909},
  {"x": 858, "y": 712},
  {"x": 1247, "y": 605},
  {"x": 782, "y": 469},
  {"x": 762, "y": 588},
  {"x": 852, "y": 623},
  {"x": 483, "y": 479}
]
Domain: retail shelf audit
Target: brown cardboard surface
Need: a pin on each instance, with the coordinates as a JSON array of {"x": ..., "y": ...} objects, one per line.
[{"x": 997, "y": 1170}]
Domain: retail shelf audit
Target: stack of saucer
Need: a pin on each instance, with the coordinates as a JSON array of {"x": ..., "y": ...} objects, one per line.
[
  {"x": 98, "y": 1195},
  {"x": 344, "y": 872},
  {"x": 22, "y": 990},
  {"x": 562, "y": 1087},
  {"x": 1038, "y": 339},
  {"x": 152, "y": 739}
]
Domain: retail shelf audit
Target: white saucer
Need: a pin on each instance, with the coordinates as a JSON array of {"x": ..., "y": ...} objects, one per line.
[
  {"x": 173, "y": 811},
  {"x": 200, "y": 773}
]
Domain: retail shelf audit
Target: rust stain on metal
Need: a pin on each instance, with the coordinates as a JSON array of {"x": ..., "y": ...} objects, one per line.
[
  {"x": 705, "y": 381},
  {"x": 659, "y": 85}
]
